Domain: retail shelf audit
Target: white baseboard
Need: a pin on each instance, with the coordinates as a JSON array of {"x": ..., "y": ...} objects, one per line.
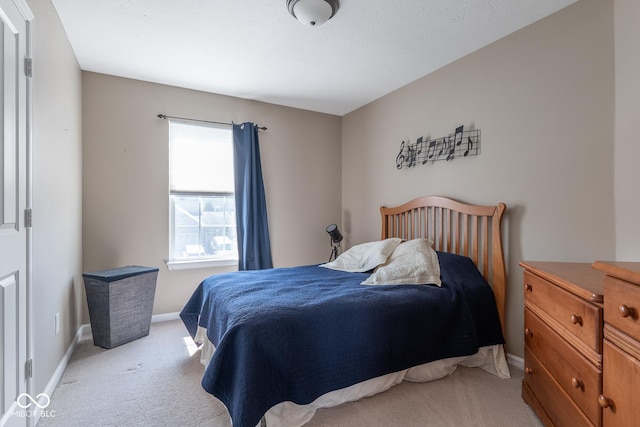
[
  {"x": 57, "y": 374},
  {"x": 156, "y": 318},
  {"x": 515, "y": 361},
  {"x": 85, "y": 332}
]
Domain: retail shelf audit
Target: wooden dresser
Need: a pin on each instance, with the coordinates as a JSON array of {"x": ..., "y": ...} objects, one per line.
[
  {"x": 621, "y": 389},
  {"x": 563, "y": 342}
]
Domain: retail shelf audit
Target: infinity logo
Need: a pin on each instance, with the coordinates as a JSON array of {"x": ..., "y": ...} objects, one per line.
[{"x": 33, "y": 401}]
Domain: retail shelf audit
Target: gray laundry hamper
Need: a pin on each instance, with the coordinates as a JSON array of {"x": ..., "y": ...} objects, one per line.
[{"x": 120, "y": 303}]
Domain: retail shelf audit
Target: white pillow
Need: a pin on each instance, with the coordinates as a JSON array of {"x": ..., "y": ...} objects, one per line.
[
  {"x": 414, "y": 262},
  {"x": 364, "y": 257}
]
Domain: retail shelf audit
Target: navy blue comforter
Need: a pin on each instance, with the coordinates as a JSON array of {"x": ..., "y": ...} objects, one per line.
[{"x": 293, "y": 334}]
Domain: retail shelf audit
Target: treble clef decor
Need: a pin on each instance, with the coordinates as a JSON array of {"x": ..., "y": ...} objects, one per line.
[{"x": 461, "y": 143}]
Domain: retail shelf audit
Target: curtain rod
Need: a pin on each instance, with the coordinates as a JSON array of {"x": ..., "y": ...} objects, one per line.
[{"x": 164, "y": 116}]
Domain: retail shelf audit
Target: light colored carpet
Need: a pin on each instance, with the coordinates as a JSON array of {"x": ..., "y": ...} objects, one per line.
[{"x": 155, "y": 381}]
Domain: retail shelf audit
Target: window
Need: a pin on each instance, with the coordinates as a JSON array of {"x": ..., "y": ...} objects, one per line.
[{"x": 201, "y": 196}]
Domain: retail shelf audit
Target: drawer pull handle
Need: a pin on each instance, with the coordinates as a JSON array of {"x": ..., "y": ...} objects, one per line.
[
  {"x": 528, "y": 287},
  {"x": 527, "y": 332},
  {"x": 576, "y": 383},
  {"x": 605, "y": 402},
  {"x": 528, "y": 371},
  {"x": 627, "y": 311},
  {"x": 576, "y": 320}
]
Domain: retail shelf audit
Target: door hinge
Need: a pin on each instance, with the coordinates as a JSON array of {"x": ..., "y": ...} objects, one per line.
[
  {"x": 28, "y": 369},
  {"x": 28, "y": 218},
  {"x": 28, "y": 67}
]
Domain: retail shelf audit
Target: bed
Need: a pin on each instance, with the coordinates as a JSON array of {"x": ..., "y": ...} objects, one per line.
[{"x": 278, "y": 344}]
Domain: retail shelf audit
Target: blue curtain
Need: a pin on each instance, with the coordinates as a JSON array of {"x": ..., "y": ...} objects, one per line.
[{"x": 254, "y": 246}]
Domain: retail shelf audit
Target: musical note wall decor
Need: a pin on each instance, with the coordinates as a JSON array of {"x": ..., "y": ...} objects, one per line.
[{"x": 461, "y": 143}]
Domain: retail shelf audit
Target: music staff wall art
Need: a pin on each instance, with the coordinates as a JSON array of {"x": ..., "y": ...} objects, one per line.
[{"x": 461, "y": 143}]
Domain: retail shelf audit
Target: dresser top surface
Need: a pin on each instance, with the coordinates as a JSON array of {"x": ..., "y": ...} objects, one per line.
[
  {"x": 629, "y": 271},
  {"x": 578, "y": 278}
]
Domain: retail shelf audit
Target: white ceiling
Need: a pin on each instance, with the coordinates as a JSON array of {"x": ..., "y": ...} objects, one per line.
[{"x": 256, "y": 50}]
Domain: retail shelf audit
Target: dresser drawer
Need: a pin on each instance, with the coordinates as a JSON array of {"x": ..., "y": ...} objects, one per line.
[
  {"x": 621, "y": 385},
  {"x": 578, "y": 378},
  {"x": 569, "y": 313},
  {"x": 558, "y": 406},
  {"x": 622, "y": 306}
]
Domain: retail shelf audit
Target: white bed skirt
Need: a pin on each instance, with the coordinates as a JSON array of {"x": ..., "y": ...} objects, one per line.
[{"x": 288, "y": 414}]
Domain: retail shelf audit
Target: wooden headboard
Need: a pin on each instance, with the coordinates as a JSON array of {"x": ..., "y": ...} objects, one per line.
[{"x": 469, "y": 230}]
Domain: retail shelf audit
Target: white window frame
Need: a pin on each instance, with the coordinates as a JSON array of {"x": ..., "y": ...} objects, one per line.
[{"x": 178, "y": 263}]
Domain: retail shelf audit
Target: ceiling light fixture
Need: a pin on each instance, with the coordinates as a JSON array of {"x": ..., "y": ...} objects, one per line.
[{"x": 312, "y": 12}]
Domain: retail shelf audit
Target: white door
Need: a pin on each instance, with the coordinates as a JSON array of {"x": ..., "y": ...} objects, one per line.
[{"x": 14, "y": 135}]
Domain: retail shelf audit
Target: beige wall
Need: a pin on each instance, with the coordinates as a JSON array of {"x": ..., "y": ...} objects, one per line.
[
  {"x": 543, "y": 99},
  {"x": 57, "y": 214},
  {"x": 125, "y": 177},
  {"x": 627, "y": 148}
]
